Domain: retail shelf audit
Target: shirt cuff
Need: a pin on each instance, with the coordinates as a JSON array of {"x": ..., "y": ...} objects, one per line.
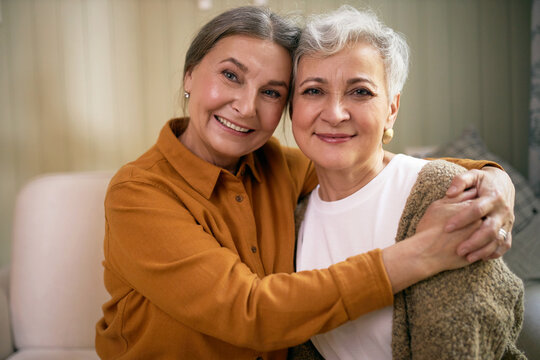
[{"x": 363, "y": 283}]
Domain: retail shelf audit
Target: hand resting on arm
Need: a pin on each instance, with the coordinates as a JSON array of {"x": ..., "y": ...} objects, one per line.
[{"x": 494, "y": 205}]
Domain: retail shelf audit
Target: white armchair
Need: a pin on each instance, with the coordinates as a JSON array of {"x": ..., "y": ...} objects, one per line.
[{"x": 51, "y": 295}]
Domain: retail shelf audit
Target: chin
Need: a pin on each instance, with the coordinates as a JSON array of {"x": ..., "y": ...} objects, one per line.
[{"x": 332, "y": 164}]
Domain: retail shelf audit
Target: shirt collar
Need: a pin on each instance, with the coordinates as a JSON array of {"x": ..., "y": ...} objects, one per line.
[
  {"x": 248, "y": 164},
  {"x": 200, "y": 174}
]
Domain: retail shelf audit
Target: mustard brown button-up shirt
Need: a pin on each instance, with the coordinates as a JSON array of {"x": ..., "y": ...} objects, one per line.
[{"x": 199, "y": 261}]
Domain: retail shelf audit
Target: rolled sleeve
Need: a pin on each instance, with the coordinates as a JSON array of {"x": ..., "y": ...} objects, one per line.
[{"x": 363, "y": 283}]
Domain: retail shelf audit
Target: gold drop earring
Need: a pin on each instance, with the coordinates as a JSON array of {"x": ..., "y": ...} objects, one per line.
[{"x": 387, "y": 136}]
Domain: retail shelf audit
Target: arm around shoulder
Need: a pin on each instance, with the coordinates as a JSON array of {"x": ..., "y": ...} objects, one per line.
[{"x": 155, "y": 244}]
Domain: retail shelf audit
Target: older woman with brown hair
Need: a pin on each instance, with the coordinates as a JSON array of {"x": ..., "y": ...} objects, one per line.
[{"x": 349, "y": 72}]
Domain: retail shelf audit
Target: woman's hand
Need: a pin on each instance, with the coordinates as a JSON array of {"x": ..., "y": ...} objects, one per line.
[
  {"x": 494, "y": 205},
  {"x": 432, "y": 249},
  {"x": 439, "y": 247}
]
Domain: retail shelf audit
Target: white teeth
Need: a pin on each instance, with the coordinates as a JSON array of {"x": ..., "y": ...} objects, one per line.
[{"x": 231, "y": 125}]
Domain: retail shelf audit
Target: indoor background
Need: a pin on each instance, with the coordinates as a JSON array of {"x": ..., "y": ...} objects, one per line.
[{"x": 87, "y": 84}]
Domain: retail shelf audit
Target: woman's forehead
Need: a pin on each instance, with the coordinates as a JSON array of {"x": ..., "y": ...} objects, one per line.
[{"x": 361, "y": 57}]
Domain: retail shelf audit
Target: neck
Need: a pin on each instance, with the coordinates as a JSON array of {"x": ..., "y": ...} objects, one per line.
[
  {"x": 227, "y": 163},
  {"x": 337, "y": 184}
]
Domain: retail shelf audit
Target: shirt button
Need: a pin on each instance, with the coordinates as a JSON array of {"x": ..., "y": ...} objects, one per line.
[
  {"x": 254, "y": 249},
  {"x": 239, "y": 198}
]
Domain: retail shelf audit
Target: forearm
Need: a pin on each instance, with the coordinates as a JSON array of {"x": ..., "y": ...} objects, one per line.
[
  {"x": 405, "y": 264},
  {"x": 167, "y": 257},
  {"x": 280, "y": 310}
]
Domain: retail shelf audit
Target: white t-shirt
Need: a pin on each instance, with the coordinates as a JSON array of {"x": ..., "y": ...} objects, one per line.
[{"x": 333, "y": 231}]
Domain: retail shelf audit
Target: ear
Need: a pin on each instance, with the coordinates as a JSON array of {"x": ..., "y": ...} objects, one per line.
[
  {"x": 392, "y": 115},
  {"x": 188, "y": 81}
]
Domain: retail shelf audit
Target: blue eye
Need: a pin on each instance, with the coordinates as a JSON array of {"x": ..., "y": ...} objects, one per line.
[
  {"x": 311, "y": 91},
  {"x": 363, "y": 92},
  {"x": 272, "y": 93},
  {"x": 230, "y": 75}
]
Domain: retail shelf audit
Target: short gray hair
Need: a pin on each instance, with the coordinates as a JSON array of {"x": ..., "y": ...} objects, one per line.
[{"x": 328, "y": 34}]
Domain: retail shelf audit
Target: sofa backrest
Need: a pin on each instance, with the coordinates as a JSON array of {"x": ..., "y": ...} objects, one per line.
[{"x": 56, "y": 285}]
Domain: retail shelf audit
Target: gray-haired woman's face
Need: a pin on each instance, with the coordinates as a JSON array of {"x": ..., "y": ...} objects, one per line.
[{"x": 341, "y": 107}]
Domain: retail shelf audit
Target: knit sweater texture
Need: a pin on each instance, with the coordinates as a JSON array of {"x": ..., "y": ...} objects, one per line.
[{"x": 475, "y": 312}]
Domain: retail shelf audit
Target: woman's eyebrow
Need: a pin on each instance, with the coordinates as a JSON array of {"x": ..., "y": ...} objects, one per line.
[
  {"x": 278, "y": 83},
  {"x": 315, "y": 79},
  {"x": 241, "y": 66},
  {"x": 245, "y": 69},
  {"x": 360, "y": 80}
]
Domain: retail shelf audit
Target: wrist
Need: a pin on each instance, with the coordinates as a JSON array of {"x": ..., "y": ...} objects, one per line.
[{"x": 407, "y": 263}]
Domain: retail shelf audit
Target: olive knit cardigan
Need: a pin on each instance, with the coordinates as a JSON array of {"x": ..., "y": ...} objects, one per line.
[
  {"x": 471, "y": 313},
  {"x": 474, "y": 312}
]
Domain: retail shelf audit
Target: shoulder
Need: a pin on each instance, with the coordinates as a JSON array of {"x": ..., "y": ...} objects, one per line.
[
  {"x": 274, "y": 151},
  {"x": 438, "y": 173},
  {"x": 432, "y": 182},
  {"x": 283, "y": 163},
  {"x": 149, "y": 176},
  {"x": 147, "y": 168}
]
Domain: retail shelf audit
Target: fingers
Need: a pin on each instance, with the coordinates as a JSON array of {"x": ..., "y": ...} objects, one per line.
[
  {"x": 475, "y": 247},
  {"x": 463, "y": 233},
  {"x": 483, "y": 253},
  {"x": 502, "y": 249},
  {"x": 463, "y": 196},
  {"x": 464, "y": 181},
  {"x": 487, "y": 242},
  {"x": 474, "y": 210},
  {"x": 440, "y": 211}
]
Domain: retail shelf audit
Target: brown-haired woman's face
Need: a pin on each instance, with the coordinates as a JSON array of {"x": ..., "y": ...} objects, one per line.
[{"x": 237, "y": 95}]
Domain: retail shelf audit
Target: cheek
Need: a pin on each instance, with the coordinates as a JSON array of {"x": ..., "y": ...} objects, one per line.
[
  {"x": 372, "y": 119},
  {"x": 213, "y": 92},
  {"x": 302, "y": 113},
  {"x": 209, "y": 92},
  {"x": 300, "y": 125},
  {"x": 270, "y": 116}
]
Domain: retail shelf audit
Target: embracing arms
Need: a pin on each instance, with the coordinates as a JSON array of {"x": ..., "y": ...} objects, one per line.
[{"x": 477, "y": 205}]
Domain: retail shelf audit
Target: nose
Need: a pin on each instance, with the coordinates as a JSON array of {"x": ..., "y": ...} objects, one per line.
[
  {"x": 245, "y": 102},
  {"x": 335, "y": 111}
]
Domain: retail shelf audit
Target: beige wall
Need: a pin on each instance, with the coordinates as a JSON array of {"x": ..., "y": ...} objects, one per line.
[{"x": 87, "y": 84}]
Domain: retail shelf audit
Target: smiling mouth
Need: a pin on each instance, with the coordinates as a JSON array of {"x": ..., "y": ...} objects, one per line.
[
  {"x": 232, "y": 126},
  {"x": 334, "y": 138}
]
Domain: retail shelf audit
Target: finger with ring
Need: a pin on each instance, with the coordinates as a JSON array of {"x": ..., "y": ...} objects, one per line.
[{"x": 503, "y": 233}]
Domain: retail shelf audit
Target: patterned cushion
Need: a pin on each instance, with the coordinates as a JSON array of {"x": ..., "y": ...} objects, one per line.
[
  {"x": 470, "y": 145},
  {"x": 523, "y": 257}
]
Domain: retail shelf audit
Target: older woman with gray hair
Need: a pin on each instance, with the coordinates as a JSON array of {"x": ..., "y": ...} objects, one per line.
[{"x": 349, "y": 72}]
